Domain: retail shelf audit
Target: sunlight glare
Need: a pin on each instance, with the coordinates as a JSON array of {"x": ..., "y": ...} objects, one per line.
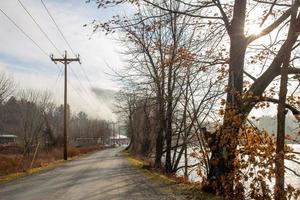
[{"x": 253, "y": 29}]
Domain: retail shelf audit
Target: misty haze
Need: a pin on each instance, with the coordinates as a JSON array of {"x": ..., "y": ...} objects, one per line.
[{"x": 149, "y": 99}]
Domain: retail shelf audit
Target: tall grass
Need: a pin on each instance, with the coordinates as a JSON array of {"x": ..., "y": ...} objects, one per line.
[{"x": 13, "y": 161}]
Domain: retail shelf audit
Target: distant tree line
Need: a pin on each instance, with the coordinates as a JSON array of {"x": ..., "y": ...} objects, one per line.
[{"x": 37, "y": 120}]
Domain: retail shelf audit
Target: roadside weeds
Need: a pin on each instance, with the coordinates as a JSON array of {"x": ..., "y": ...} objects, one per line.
[
  {"x": 44, "y": 167},
  {"x": 188, "y": 190}
]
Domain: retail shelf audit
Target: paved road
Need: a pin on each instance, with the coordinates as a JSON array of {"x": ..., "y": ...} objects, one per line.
[{"x": 103, "y": 175}]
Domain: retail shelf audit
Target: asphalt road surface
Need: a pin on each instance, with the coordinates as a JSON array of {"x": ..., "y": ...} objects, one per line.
[{"x": 103, "y": 175}]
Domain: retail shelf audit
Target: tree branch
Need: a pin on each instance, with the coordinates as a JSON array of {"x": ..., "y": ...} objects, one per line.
[
  {"x": 271, "y": 27},
  {"x": 294, "y": 110},
  {"x": 187, "y": 12},
  {"x": 249, "y": 75},
  {"x": 294, "y": 172},
  {"x": 224, "y": 16},
  {"x": 293, "y": 70}
]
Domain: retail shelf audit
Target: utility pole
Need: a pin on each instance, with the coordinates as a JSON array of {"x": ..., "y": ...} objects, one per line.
[
  {"x": 119, "y": 135},
  {"x": 114, "y": 136},
  {"x": 65, "y": 60}
]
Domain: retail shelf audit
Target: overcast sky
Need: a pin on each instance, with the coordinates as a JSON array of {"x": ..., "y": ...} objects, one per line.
[{"x": 31, "y": 68}]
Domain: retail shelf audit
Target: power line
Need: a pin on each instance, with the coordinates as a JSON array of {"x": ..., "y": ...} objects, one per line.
[
  {"x": 86, "y": 92},
  {"x": 32, "y": 40},
  {"x": 59, "y": 30},
  {"x": 65, "y": 39},
  {"x": 77, "y": 78},
  {"x": 26, "y": 35},
  {"x": 20, "y": 29},
  {"x": 86, "y": 76},
  {"x": 45, "y": 34},
  {"x": 59, "y": 75},
  {"x": 68, "y": 44},
  {"x": 88, "y": 103},
  {"x": 82, "y": 97},
  {"x": 37, "y": 24},
  {"x": 43, "y": 51}
]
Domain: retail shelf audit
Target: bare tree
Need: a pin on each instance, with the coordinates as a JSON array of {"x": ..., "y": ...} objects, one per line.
[
  {"x": 7, "y": 86},
  {"x": 32, "y": 107}
]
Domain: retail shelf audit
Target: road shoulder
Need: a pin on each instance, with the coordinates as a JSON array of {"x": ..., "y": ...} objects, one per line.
[{"x": 174, "y": 187}]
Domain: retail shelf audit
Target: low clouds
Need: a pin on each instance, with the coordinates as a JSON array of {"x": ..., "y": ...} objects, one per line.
[{"x": 32, "y": 69}]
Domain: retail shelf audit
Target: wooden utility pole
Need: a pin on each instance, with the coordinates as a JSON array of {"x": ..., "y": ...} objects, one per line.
[
  {"x": 114, "y": 133},
  {"x": 119, "y": 135},
  {"x": 65, "y": 60}
]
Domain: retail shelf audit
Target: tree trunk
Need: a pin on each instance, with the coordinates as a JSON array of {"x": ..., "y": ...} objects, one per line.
[
  {"x": 223, "y": 147},
  {"x": 185, "y": 161},
  {"x": 279, "y": 159},
  {"x": 131, "y": 131},
  {"x": 279, "y": 193},
  {"x": 169, "y": 120},
  {"x": 160, "y": 132}
]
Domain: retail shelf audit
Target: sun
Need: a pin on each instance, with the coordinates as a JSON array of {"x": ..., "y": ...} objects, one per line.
[{"x": 253, "y": 29}]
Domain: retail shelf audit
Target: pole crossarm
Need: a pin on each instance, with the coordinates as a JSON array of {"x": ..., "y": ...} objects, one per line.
[{"x": 65, "y": 59}]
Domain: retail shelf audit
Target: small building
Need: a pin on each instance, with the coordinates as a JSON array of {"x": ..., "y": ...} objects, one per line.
[
  {"x": 120, "y": 140},
  {"x": 86, "y": 141},
  {"x": 8, "y": 139}
]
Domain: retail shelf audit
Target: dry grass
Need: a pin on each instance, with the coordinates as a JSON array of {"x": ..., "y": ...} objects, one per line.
[
  {"x": 181, "y": 186},
  {"x": 13, "y": 164},
  {"x": 10, "y": 164},
  {"x": 16, "y": 175}
]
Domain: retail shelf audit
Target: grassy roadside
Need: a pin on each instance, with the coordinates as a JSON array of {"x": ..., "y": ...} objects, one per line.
[
  {"x": 190, "y": 191},
  {"x": 13, "y": 176},
  {"x": 48, "y": 166}
]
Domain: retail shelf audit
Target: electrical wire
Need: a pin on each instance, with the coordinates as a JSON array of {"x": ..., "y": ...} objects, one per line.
[
  {"x": 24, "y": 33},
  {"x": 59, "y": 30},
  {"x": 88, "y": 103},
  {"x": 38, "y": 25},
  {"x": 42, "y": 50},
  {"x": 65, "y": 39},
  {"x": 68, "y": 44}
]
